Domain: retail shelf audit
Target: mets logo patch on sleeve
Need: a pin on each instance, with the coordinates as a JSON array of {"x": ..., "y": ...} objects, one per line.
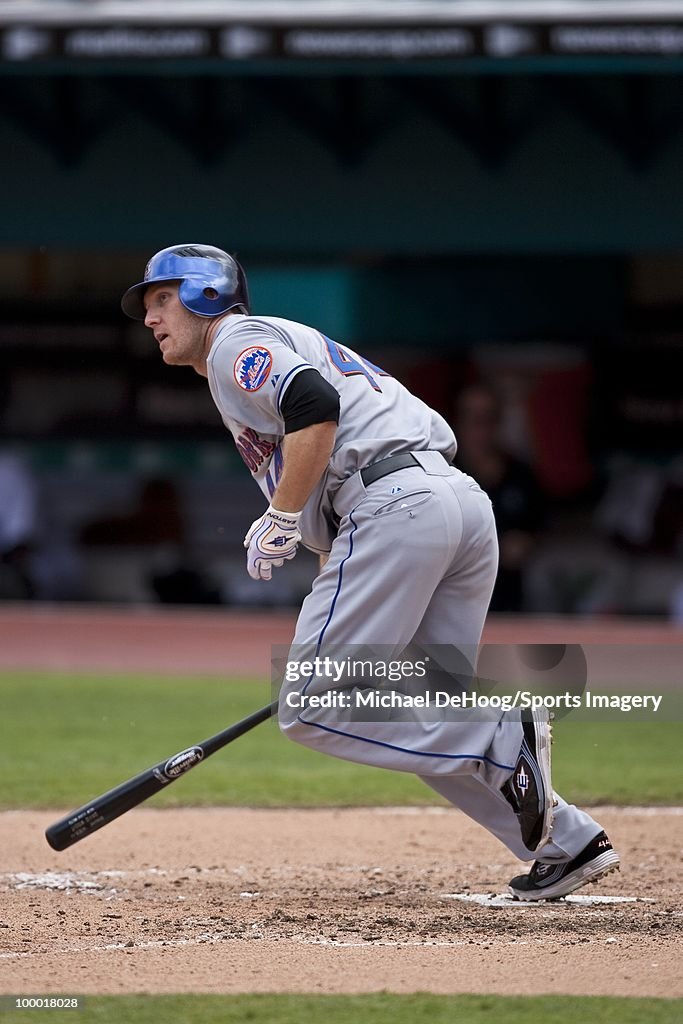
[{"x": 252, "y": 368}]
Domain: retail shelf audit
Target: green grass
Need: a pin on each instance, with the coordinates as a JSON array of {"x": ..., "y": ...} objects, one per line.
[
  {"x": 65, "y": 739},
  {"x": 373, "y": 1009},
  {"x": 380, "y": 1009},
  {"x": 617, "y": 762}
]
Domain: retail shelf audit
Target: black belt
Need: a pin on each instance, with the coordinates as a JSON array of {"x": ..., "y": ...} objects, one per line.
[{"x": 385, "y": 466}]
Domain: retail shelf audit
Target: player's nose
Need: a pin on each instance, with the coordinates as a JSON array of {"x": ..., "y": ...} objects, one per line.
[{"x": 151, "y": 318}]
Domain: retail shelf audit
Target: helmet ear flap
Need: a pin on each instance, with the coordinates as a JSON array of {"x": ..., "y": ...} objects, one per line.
[{"x": 214, "y": 288}]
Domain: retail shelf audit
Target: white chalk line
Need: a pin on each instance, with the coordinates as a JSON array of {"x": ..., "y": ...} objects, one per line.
[
  {"x": 215, "y": 940},
  {"x": 88, "y": 883},
  {"x": 80, "y": 881},
  {"x": 199, "y": 940}
]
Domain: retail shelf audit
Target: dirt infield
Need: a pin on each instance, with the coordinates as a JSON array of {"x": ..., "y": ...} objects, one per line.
[
  {"x": 228, "y": 900},
  {"x": 355, "y": 900}
]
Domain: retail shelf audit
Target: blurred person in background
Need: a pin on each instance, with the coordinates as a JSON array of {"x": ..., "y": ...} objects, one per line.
[
  {"x": 18, "y": 527},
  {"x": 38, "y": 560},
  {"x": 640, "y": 518},
  {"x": 510, "y": 483}
]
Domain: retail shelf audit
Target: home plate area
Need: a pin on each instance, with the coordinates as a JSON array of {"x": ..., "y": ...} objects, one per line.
[{"x": 353, "y": 900}]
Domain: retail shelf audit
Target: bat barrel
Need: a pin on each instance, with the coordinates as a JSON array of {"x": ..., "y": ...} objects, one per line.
[{"x": 103, "y": 809}]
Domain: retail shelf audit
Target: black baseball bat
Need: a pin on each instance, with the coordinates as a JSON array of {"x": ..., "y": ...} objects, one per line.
[{"x": 103, "y": 809}]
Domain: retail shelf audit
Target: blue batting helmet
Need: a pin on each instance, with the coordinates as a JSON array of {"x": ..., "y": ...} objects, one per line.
[{"x": 211, "y": 281}]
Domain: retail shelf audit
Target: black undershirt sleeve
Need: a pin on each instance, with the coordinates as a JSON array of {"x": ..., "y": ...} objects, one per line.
[{"x": 309, "y": 399}]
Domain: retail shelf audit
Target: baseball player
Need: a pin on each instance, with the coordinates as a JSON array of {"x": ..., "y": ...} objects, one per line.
[{"x": 359, "y": 470}]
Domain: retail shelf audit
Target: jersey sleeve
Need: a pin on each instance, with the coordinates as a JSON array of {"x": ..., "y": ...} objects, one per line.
[{"x": 250, "y": 369}]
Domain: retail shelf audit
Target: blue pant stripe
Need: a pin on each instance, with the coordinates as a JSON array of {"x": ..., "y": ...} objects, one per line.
[{"x": 405, "y": 750}]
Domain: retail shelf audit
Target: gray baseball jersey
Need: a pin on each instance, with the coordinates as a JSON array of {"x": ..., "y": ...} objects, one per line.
[
  {"x": 413, "y": 559},
  {"x": 253, "y": 361}
]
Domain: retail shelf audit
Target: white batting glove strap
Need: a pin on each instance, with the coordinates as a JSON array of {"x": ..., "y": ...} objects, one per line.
[{"x": 271, "y": 541}]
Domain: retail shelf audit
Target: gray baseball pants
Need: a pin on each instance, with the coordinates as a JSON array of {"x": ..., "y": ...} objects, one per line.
[{"x": 415, "y": 561}]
